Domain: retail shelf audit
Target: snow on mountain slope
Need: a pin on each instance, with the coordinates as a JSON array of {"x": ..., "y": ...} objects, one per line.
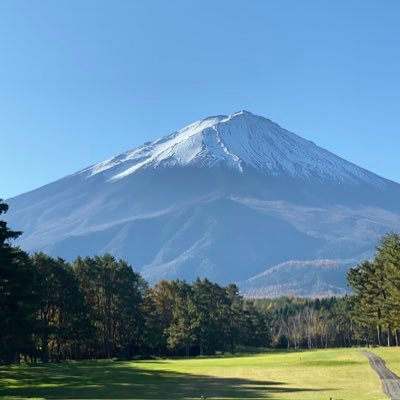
[
  {"x": 223, "y": 198},
  {"x": 238, "y": 141}
]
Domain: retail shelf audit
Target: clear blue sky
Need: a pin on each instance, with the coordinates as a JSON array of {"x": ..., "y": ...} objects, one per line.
[{"x": 83, "y": 80}]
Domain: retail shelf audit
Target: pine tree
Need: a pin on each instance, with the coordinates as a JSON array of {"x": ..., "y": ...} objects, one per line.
[
  {"x": 367, "y": 303},
  {"x": 114, "y": 294},
  {"x": 388, "y": 258},
  {"x": 18, "y": 299},
  {"x": 180, "y": 333},
  {"x": 61, "y": 315},
  {"x": 376, "y": 286}
]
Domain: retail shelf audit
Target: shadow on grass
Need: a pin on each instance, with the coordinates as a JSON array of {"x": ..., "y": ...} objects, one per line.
[
  {"x": 119, "y": 380},
  {"x": 249, "y": 354}
]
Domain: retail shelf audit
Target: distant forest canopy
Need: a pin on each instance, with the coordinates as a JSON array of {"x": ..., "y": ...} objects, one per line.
[{"x": 98, "y": 307}]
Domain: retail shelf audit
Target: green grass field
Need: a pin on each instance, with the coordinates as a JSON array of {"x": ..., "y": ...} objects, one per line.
[
  {"x": 391, "y": 356},
  {"x": 321, "y": 374}
]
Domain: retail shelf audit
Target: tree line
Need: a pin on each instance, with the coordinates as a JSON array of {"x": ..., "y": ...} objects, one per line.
[
  {"x": 375, "y": 305},
  {"x": 370, "y": 315},
  {"x": 99, "y": 307},
  {"x": 308, "y": 323}
]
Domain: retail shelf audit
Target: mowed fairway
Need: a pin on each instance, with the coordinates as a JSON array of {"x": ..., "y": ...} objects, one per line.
[{"x": 320, "y": 374}]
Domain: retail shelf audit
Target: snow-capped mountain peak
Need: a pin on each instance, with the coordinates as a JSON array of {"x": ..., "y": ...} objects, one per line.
[
  {"x": 238, "y": 141},
  {"x": 226, "y": 198}
]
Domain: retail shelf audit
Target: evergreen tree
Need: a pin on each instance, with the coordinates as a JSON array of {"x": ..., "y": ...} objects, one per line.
[
  {"x": 161, "y": 313},
  {"x": 376, "y": 286},
  {"x": 388, "y": 258},
  {"x": 61, "y": 313},
  {"x": 367, "y": 304},
  {"x": 17, "y": 297},
  {"x": 180, "y": 333},
  {"x": 234, "y": 322},
  {"x": 114, "y": 294}
]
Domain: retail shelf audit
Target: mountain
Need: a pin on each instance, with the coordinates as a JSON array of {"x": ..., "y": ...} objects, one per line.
[
  {"x": 234, "y": 198},
  {"x": 321, "y": 277}
]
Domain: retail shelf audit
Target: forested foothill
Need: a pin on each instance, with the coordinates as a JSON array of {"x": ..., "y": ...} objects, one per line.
[{"x": 99, "y": 307}]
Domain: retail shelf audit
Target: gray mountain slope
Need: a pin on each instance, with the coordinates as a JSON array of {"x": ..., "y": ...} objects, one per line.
[{"x": 227, "y": 198}]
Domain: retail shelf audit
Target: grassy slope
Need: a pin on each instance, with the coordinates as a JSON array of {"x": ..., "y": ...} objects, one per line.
[{"x": 340, "y": 374}]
